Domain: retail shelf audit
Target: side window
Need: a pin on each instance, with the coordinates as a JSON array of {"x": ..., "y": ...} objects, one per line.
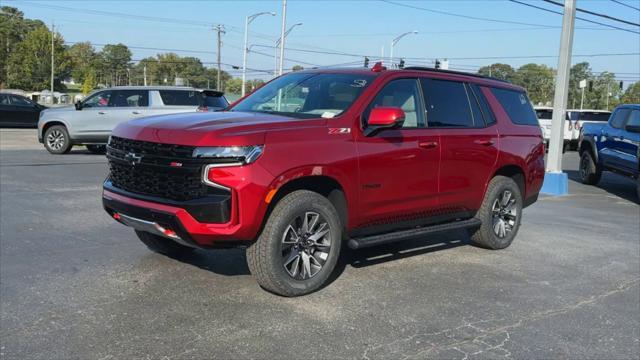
[
  {"x": 489, "y": 117},
  {"x": 634, "y": 118},
  {"x": 404, "y": 94},
  {"x": 20, "y": 101},
  {"x": 447, "y": 104},
  {"x": 129, "y": 98},
  {"x": 517, "y": 105},
  {"x": 4, "y": 99},
  {"x": 618, "y": 118},
  {"x": 181, "y": 97},
  {"x": 100, "y": 99}
]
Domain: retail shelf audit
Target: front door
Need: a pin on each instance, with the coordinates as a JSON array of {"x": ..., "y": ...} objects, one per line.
[
  {"x": 398, "y": 167},
  {"x": 612, "y": 139}
]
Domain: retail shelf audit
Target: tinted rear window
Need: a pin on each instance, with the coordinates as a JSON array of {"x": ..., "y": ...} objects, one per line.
[
  {"x": 589, "y": 116},
  {"x": 214, "y": 101},
  {"x": 517, "y": 106},
  {"x": 447, "y": 103},
  {"x": 544, "y": 114},
  {"x": 181, "y": 97}
]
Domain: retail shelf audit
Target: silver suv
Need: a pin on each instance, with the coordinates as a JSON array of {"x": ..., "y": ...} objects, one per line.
[{"x": 90, "y": 122}]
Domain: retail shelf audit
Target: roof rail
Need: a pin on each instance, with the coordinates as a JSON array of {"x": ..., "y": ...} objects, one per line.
[{"x": 424, "y": 68}]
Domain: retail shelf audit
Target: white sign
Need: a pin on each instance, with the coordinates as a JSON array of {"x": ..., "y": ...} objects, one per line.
[{"x": 583, "y": 84}]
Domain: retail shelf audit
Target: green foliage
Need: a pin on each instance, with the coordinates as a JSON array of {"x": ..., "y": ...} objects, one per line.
[
  {"x": 89, "y": 82},
  {"x": 115, "y": 60},
  {"x": 233, "y": 86},
  {"x": 498, "y": 71},
  {"x": 538, "y": 80},
  {"x": 29, "y": 64},
  {"x": 297, "y": 68},
  {"x": 84, "y": 60},
  {"x": 632, "y": 94},
  {"x": 13, "y": 29}
]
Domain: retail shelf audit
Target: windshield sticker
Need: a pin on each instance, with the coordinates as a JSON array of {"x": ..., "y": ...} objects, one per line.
[
  {"x": 359, "y": 83},
  {"x": 328, "y": 114}
]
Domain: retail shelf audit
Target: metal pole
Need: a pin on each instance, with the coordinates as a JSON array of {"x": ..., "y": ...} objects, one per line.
[
  {"x": 582, "y": 99},
  {"x": 554, "y": 160},
  {"x": 395, "y": 41},
  {"x": 53, "y": 34},
  {"x": 145, "y": 75},
  {"x": 608, "y": 94},
  {"x": 391, "y": 54},
  {"x": 275, "y": 56},
  {"x": 382, "y": 53},
  {"x": 282, "y": 35},
  {"x": 220, "y": 30},
  {"x": 244, "y": 55}
]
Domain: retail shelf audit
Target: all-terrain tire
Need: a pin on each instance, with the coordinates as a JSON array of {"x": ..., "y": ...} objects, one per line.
[
  {"x": 163, "y": 245},
  {"x": 590, "y": 172},
  {"x": 487, "y": 236},
  {"x": 266, "y": 257},
  {"x": 56, "y": 140}
]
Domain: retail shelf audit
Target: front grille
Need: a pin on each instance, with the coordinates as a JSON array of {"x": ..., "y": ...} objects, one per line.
[{"x": 156, "y": 172}]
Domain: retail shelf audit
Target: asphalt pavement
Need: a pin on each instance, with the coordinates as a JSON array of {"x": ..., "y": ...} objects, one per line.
[{"x": 74, "y": 284}]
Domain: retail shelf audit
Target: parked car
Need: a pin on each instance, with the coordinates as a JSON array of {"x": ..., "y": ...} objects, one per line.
[
  {"x": 318, "y": 158},
  {"x": 612, "y": 146},
  {"x": 544, "y": 115},
  {"x": 91, "y": 120},
  {"x": 578, "y": 118},
  {"x": 18, "y": 111}
]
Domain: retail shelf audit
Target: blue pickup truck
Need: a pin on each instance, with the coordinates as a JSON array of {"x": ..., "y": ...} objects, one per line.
[{"x": 613, "y": 146}]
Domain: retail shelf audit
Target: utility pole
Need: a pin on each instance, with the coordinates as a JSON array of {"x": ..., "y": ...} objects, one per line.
[
  {"x": 53, "y": 34},
  {"x": 282, "y": 35},
  {"x": 608, "y": 93},
  {"x": 220, "y": 30},
  {"x": 382, "y": 53},
  {"x": 144, "y": 70},
  {"x": 583, "y": 84},
  {"x": 245, "y": 49},
  {"x": 556, "y": 182},
  {"x": 395, "y": 41}
]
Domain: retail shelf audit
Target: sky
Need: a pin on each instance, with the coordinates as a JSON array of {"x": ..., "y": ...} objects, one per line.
[{"x": 508, "y": 32}]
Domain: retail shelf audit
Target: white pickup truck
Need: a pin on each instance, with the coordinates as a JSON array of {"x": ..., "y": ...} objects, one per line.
[{"x": 574, "y": 120}]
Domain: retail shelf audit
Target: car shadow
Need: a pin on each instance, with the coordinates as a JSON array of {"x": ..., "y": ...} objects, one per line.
[
  {"x": 612, "y": 183},
  {"x": 228, "y": 262}
]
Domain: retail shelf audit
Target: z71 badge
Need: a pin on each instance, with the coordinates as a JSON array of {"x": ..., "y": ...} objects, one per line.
[{"x": 335, "y": 131}]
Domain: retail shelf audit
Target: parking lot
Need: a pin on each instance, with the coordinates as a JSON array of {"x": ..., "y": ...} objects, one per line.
[{"x": 76, "y": 284}]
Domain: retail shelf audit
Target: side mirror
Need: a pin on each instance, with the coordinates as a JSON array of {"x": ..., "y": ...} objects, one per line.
[
  {"x": 382, "y": 118},
  {"x": 78, "y": 105},
  {"x": 632, "y": 128}
]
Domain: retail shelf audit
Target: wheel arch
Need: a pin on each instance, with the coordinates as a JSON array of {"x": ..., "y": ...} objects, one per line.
[
  {"x": 516, "y": 173},
  {"x": 587, "y": 145},
  {"x": 51, "y": 123}
]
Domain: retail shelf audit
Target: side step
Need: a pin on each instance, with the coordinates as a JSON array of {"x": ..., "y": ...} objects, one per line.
[{"x": 374, "y": 240}]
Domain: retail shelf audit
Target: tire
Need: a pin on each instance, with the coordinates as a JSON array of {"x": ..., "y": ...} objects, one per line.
[
  {"x": 590, "y": 172},
  {"x": 502, "y": 204},
  {"x": 96, "y": 149},
  {"x": 287, "y": 264},
  {"x": 56, "y": 140},
  {"x": 162, "y": 245}
]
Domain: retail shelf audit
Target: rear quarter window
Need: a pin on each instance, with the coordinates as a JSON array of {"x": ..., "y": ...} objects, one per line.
[
  {"x": 181, "y": 97},
  {"x": 517, "y": 105}
]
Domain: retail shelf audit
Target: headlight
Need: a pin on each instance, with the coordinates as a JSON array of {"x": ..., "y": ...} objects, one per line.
[{"x": 233, "y": 154}]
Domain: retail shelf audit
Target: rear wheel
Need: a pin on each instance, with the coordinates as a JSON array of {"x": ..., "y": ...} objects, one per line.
[
  {"x": 96, "y": 149},
  {"x": 163, "y": 245},
  {"x": 56, "y": 140},
  {"x": 299, "y": 247},
  {"x": 500, "y": 214},
  {"x": 590, "y": 173}
]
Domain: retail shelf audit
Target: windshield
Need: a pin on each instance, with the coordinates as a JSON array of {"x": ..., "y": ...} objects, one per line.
[{"x": 307, "y": 95}]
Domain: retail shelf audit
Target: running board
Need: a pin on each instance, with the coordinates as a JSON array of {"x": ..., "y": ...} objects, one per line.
[{"x": 374, "y": 240}]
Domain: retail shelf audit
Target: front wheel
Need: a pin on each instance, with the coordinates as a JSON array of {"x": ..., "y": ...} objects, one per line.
[
  {"x": 500, "y": 214},
  {"x": 299, "y": 246},
  {"x": 56, "y": 140},
  {"x": 590, "y": 172}
]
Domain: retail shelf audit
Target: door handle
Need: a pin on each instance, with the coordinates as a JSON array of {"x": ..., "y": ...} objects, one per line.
[
  {"x": 428, "y": 144},
  {"x": 135, "y": 112},
  {"x": 484, "y": 142},
  {"x": 101, "y": 112}
]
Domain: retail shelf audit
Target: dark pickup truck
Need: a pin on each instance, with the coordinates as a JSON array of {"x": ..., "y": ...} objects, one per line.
[{"x": 613, "y": 146}]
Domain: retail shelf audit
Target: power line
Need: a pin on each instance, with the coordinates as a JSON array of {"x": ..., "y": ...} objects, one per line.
[
  {"x": 604, "y": 16},
  {"x": 579, "y": 18},
  {"x": 627, "y": 5}
]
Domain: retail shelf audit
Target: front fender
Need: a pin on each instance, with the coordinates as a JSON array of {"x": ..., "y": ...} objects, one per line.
[{"x": 44, "y": 122}]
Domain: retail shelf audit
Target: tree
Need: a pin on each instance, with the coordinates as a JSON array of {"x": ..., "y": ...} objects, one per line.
[
  {"x": 297, "y": 68},
  {"x": 580, "y": 71},
  {"x": 29, "y": 64},
  {"x": 13, "y": 29},
  {"x": 498, "y": 71},
  {"x": 602, "y": 85},
  {"x": 538, "y": 80},
  {"x": 115, "y": 61},
  {"x": 233, "y": 86},
  {"x": 83, "y": 59},
  {"x": 632, "y": 94},
  {"x": 89, "y": 82}
]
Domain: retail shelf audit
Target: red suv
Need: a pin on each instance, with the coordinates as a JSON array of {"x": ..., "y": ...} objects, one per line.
[{"x": 318, "y": 159}]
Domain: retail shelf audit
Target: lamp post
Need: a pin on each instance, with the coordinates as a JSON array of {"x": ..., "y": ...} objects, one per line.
[
  {"x": 248, "y": 21},
  {"x": 395, "y": 41},
  {"x": 278, "y": 44}
]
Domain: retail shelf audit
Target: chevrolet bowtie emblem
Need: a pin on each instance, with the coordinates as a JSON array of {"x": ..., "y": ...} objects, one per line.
[{"x": 133, "y": 158}]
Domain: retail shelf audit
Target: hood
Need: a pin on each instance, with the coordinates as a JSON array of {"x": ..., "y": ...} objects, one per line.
[{"x": 209, "y": 128}]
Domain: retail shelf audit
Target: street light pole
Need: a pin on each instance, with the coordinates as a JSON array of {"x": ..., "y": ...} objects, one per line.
[
  {"x": 395, "y": 41},
  {"x": 220, "y": 30},
  {"x": 53, "y": 34},
  {"x": 555, "y": 181},
  {"x": 245, "y": 51},
  {"x": 278, "y": 42},
  {"x": 282, "y": 35}
]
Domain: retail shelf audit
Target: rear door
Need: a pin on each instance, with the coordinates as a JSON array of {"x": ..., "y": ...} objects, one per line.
[
  {"x": 469, "y": 143},
  {"x": 125, "y": 105},
  {"x": 8, "y": 114},
  {"x": 25, "y": 111},
  {"x": 612, "y": 139},
  {"x": 93, "y": 119}
]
